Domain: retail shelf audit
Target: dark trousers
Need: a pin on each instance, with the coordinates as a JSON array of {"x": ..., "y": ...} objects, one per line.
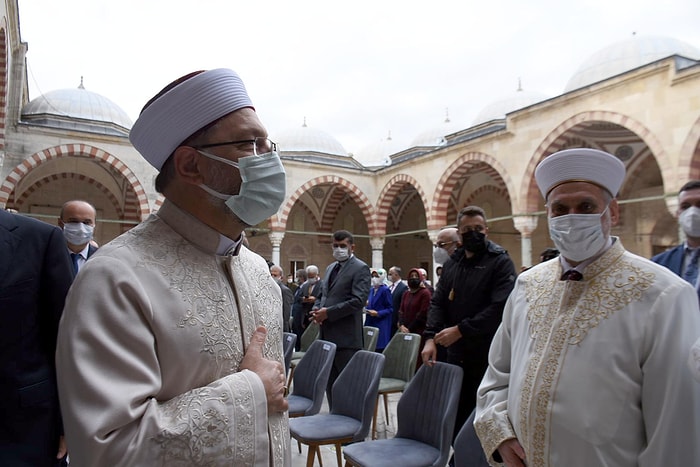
[
  {"x": 474, "y": 367},
  {"x": 342, "y": 357}
]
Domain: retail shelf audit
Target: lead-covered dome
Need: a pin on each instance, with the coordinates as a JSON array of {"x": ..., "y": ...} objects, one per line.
[
  {"x": 435, "y": 136},
  {"x": 377, "y": 154},
  {"x": 307, "y": 139},
  {"x": 515, "y": 101},
  {"x": 627, "y": 55},
  {"x": 77, "y": 109}
]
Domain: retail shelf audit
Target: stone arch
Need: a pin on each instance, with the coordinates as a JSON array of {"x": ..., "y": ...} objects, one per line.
[
  {"x": 689, "y": 160},
  {"x": 389, "y": 192},
  {"x": 4, "y": 88},
  {"x": 456, "y": 170},
  {"x": 68, "y": 150},
  {"x": 530, "y": 194},
  {"x": 278, "y": 222}
]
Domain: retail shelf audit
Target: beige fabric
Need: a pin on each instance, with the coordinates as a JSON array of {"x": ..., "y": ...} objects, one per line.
[
  {"x": 149, "y": 345},
  {"x": 595, "y": 372}
]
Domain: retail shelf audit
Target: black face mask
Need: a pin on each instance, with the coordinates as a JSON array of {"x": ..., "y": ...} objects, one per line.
[
  {"x": 474, "y": 241},
  {"x": 414, "y": 283}
]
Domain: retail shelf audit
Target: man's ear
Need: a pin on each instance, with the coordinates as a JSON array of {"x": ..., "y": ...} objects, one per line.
[
  {"x": 188, "y": 165},
  {"x": 614, "y": 212}
]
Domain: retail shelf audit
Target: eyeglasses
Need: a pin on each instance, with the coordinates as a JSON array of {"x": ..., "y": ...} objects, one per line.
[
  {"x": 260, "y": 145},
  {"x": 443, "y": 244},
  {"x": 476, "y": 228}
]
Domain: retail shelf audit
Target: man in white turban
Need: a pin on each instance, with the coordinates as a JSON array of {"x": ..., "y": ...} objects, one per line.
[
  {"x": 170, "y": 347},
  {"x": 590, "y": 364}
]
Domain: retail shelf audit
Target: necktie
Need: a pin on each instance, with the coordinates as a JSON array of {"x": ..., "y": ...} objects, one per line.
[
  {"x": 691, "y": 269},
  {"x": 74, "y": 257},
  {"x": 333, "y": 274},
  {"x": 572, "y": 275}
]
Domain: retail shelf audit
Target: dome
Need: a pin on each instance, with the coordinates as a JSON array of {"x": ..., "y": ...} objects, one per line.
[
  {"x": 377, "y": 154},
  {"x": 77, "y": 109},
  {"x": 435, "y": 136},
  {"x": 305, "y": 139},
  {"x": 627, "y": 55},
  {"x": 500, "y": 108}
]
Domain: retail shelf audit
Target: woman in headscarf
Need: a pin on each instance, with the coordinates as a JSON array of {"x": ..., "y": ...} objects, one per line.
[
  {"x": 413, "y": 312},
  {"x": 379, "y": 308}
]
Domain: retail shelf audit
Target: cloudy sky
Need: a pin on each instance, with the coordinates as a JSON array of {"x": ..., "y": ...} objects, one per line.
[{"x": 358, "y": 70}]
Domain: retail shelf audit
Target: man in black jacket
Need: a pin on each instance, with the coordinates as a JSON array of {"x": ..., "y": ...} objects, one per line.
[{"x": 467, "y": 305}]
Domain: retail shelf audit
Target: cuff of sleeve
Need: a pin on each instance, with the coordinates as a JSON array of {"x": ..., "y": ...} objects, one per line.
[{"x": 491, "y": 435}]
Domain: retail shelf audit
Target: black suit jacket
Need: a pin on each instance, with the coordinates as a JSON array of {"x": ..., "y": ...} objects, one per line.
[
  {"x": 396, "y": 296},
  {"x": 344, "y": 300},
  {"x": 35, "y": 274}
]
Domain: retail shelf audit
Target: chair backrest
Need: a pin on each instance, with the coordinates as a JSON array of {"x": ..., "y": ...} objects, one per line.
[
  {"x": 468, "y": 450},
  {"x": 355, "y": 390},
  {"x": 309, "y": 335},
  {"x": 428, "y": 407},
  {"x": 371, "y": 335},
  {"x": 401, "y": 355},
  {"x": 312, "y": 372},
  {"x": 288, "y": 341}
]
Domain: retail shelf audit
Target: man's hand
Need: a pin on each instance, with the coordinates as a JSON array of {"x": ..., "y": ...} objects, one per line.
[
  {"x": 62, "y": 449},
  {"x": 403, "y": 328},
  {"x": 271, "y": 372},
  {"x": 512, "y": 453},
  {"x": 448, "y": 336},
  {"x": 320, "y": 315},
  {"x": 429, "y": 353}
]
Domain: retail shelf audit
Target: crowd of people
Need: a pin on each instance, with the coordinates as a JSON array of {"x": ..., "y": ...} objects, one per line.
[{"x": 164, "y": 346}]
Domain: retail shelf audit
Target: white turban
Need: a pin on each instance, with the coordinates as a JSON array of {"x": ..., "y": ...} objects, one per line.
[
  {"x": 580, "y": 165},
  {"x": 184, "y": 109}
]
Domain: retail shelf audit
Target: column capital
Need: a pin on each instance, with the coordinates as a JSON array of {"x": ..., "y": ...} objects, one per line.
[
  {"x": 525, "y": 224},
  {"x": 276, "y": 238},
  {"x": 377, "y": 243}
]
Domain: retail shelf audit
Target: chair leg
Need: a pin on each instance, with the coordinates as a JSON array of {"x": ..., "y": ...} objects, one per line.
[
  {"x": 339, "y": 453},
  {"x": 319, "y": 456},
  {"x": 374, "y": 420},
  {"x": 299, "y": 444},
  {"x": 310, "y": 456},
  {"x": 291, "y": 376},
  {"x": 386, "y": 408}
]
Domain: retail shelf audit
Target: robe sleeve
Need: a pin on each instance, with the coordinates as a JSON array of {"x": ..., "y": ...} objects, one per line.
[
  {"x": 109, "y": 380},
  {"x": 670, "y": 397},
  {"x": 492, "y": 423}
]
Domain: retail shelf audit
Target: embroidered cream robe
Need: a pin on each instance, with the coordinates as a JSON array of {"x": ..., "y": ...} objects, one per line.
[
  {"x": 594, "y": 373},
  {"x": 152, "y": 334}
]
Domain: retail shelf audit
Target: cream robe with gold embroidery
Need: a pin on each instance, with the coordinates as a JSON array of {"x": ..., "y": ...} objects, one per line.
[
  {"x": 154, "y": 329},
  {"x": 594, "y": 373}
]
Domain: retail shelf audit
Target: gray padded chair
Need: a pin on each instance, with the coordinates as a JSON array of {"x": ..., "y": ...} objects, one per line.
[
  {"x": 310, "y": 379},
  {"x": 371, "y": 335},
  {"x": 288, "y": 341},
  {"x": 426, "y": 416},
  {"x": 350, "y": 417},
  {"x": 467, "y": 447},
  {"x": 401, "y": 354},
  {"x": 309, "y": 335}
]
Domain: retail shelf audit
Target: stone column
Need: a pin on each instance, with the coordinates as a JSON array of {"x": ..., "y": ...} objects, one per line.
[
  {"x": 525, "y": 225},
  {"x": 377, "y": 244},
  {"x": 276, "y": 240}
]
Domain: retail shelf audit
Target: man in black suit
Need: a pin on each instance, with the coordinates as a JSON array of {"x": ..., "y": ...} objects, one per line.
[
  {"x": 77, "y": 219},
  {"x": 287, "y": 297},
  {"x": 397, "y": 289},
  {"x": 339, "y": 309},
  {"x": 309, "y": 292},
  {"x": 35, "y": 275}
]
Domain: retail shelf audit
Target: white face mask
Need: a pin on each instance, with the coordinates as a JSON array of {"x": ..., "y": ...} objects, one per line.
[
  {"x": 340, "y": 254},
  {"x": 77, "y": 233},
  {"x": 440, "y": 255},
  {"x": 312, "y": 280},
  {"x": 690, "y": 221},
  {"x": 262, "y": 190},
  {"x": 577, "y": 236},
  {"x": 376, "y": 281}
]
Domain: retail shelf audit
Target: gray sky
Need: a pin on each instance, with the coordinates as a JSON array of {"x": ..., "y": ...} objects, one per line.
[{"x": 357, "y": 70}]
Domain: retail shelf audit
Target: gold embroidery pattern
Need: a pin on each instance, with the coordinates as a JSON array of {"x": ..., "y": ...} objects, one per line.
[
  {"x": 492, "y": 435},
  {"x": 561, "y": 314}
]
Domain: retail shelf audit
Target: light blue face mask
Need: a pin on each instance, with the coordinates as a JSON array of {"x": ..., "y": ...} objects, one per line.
[{"x": 263, "y": 187}]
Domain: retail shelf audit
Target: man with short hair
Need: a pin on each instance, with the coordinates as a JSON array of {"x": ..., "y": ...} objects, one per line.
[
  {"x": 308, "y": 293},
  {"x": 339, "y": 309},
  {"x": 467, "y": 305},
  {"x": 590, "y": 365},
  {"x": 170, "y": 346},
  {"x": 684, "y": 258},
  {"x": 397, "y": 287},
  {"x": 277, "y": 274},
  {"x": 77, "y": 219}
]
